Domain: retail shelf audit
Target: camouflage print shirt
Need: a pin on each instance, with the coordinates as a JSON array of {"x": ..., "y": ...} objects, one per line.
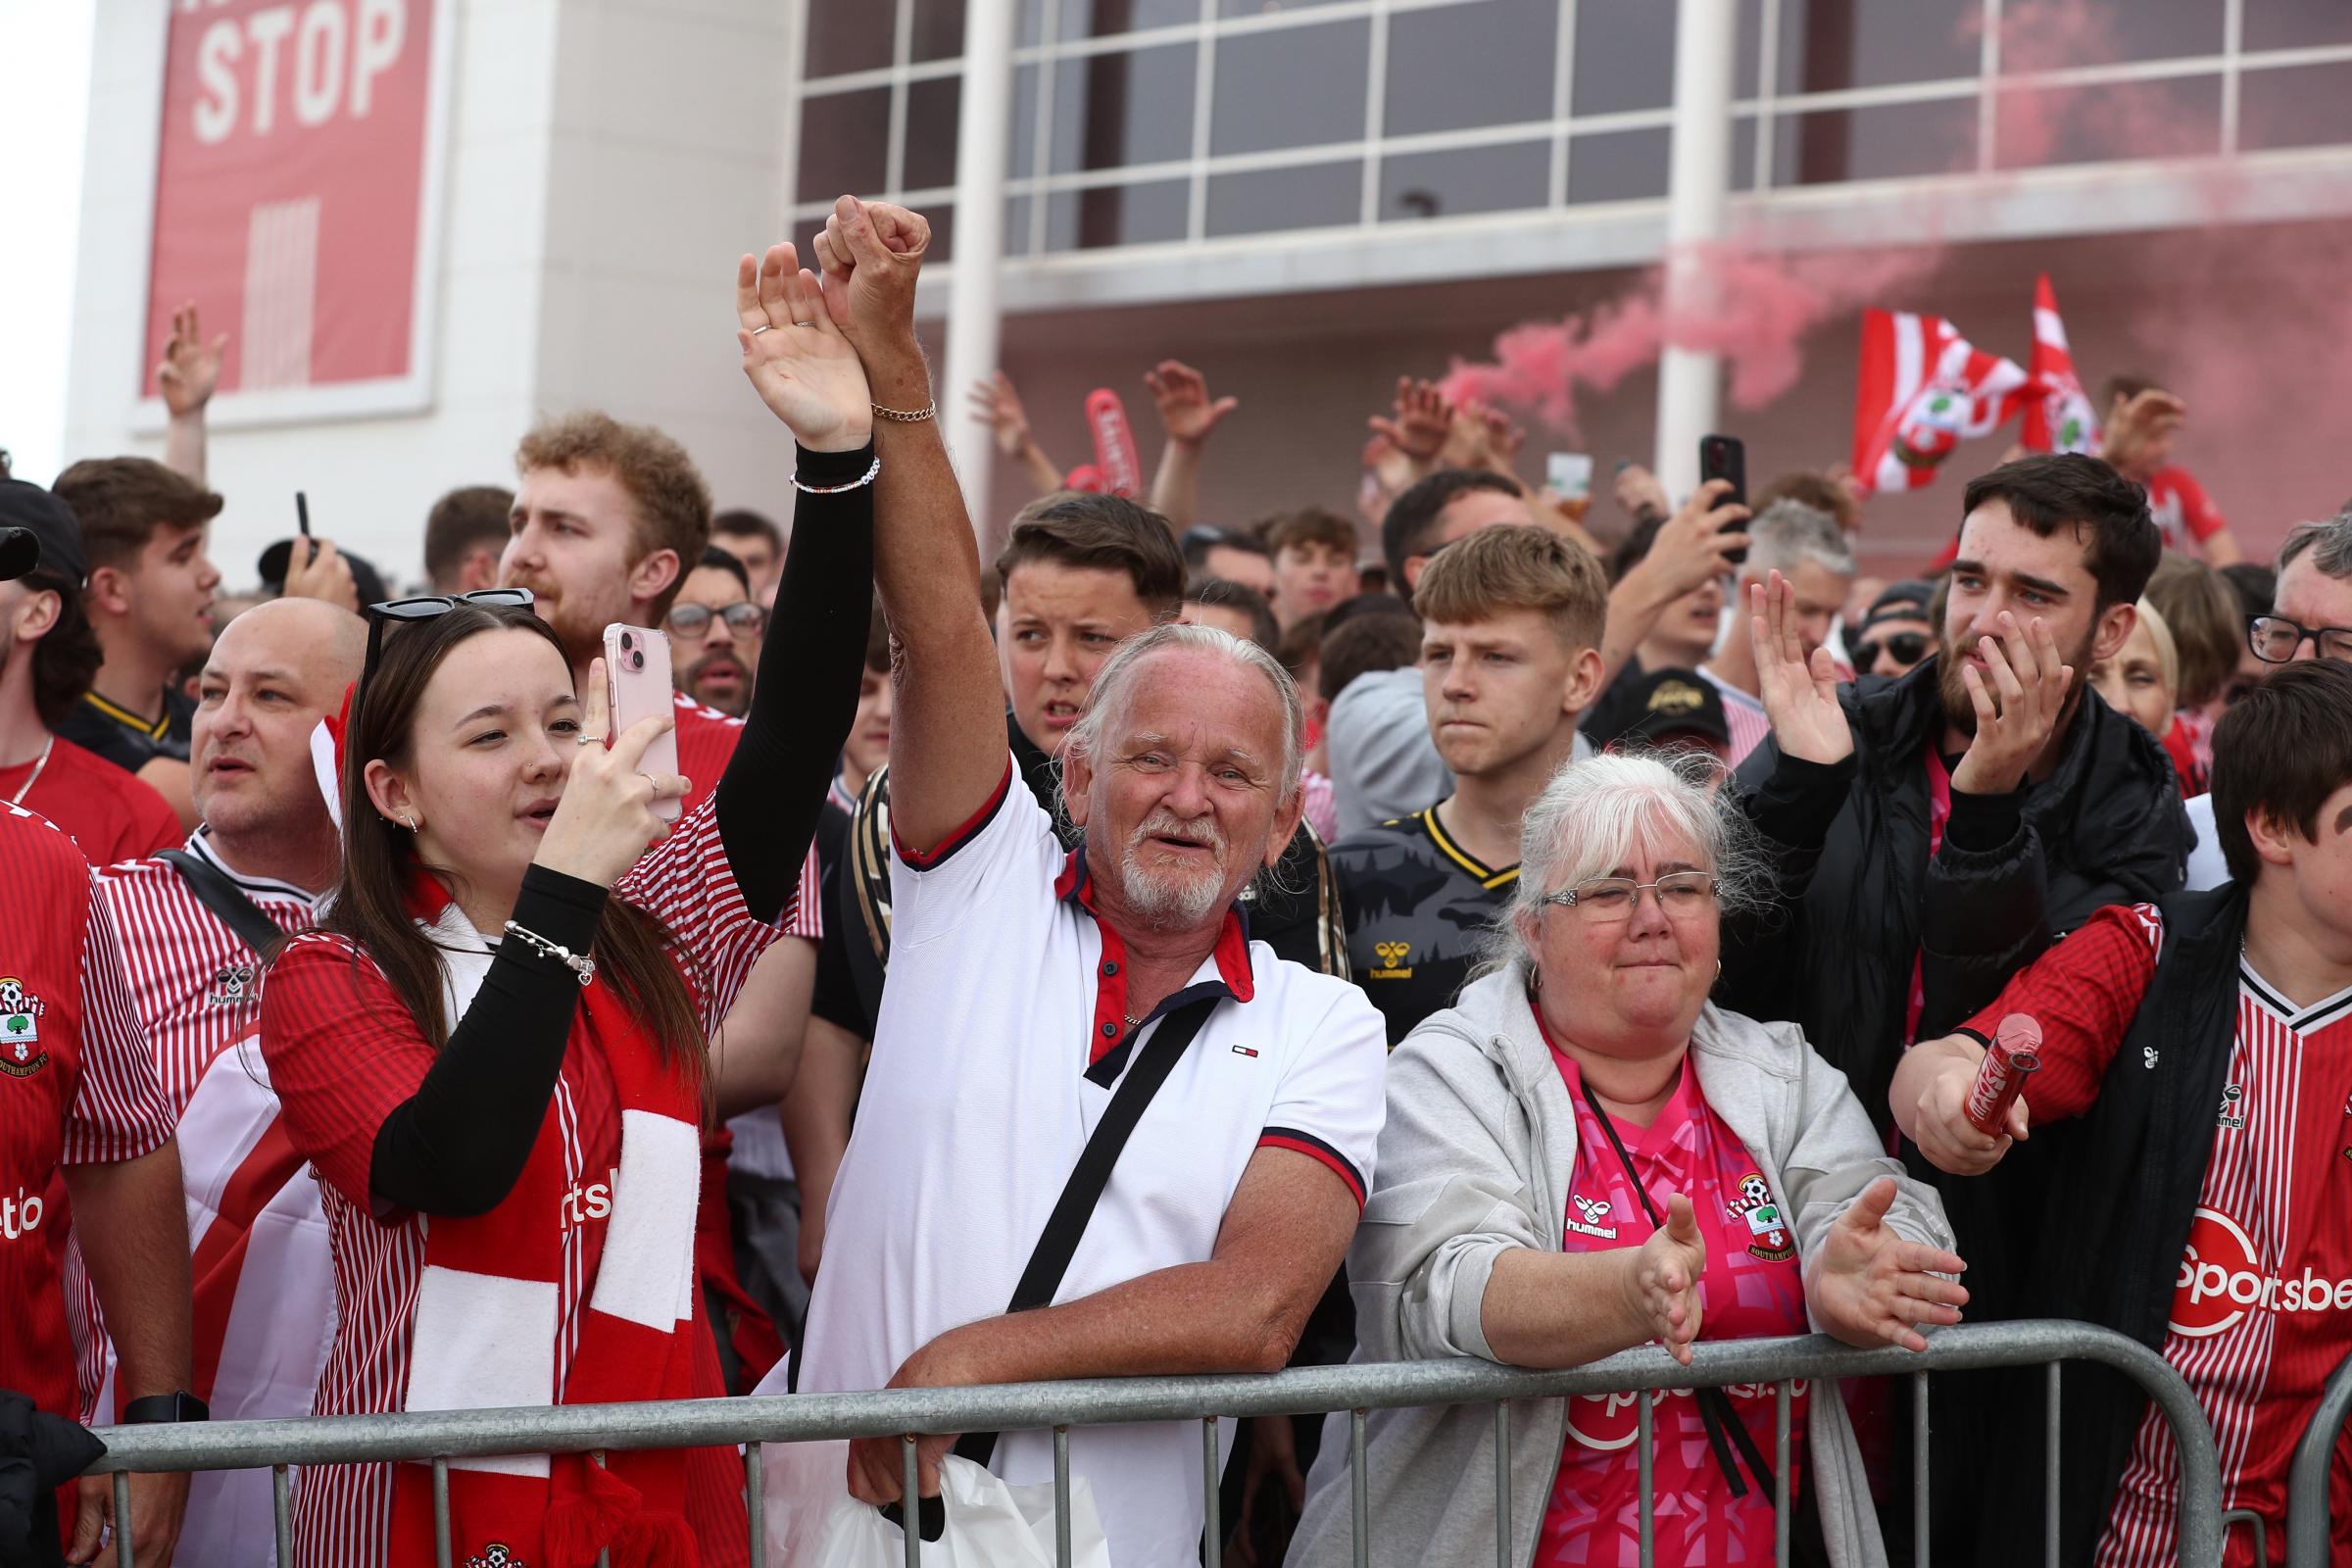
[{"x": 1420, "y": 909}]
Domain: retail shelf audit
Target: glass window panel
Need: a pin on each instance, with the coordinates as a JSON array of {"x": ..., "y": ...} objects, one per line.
[
  {"x": 1748, "y": 57},
  {"x": 2177, "y": 118},
  {"x": 1100, "y": 19},
  {"x": 1743, "y": 152},
  {"x": 1020, "y": 145},
  {"x": 1032, "y": 27},
  {"x": 938, "y": 30},
  {"x": 943, "y": 233},
  {"x": 2294, "y": 24},
  {"x": 1469, "y": 180},
  {"x": 845, "y": 143},
  {"x": 930, "y": 158},
  {"x": 1885, "y": 141},
  {"x": 1114, "y": 110},
  {"x": 1266, "y": 8},
  {"x": 1825, "y": 45},
  {"x": 852, "y": 37},
  {"x": 1617, "y": 166},
  {"x": 1016, "y": 225},
  {"x": 2297, "y": 106},
  {"x": 1457, "y": 67},
  {"x": 1291, "y": 87},
  {"x": 1624, "y": 56},
  {"x": 2164, "y": 30},
  {"x": 1152, "y": 213},
  {"x": 1264, "y": 201}
]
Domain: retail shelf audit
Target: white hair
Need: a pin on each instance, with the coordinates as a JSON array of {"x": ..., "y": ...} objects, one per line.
[
  {"x": 1594, "y": 815},
  {"x": 1789, "y": 531},
  {"x": 1106, "y": 704}
]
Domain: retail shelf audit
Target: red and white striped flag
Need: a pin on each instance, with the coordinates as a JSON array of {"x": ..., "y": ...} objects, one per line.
[
  {"x": 2059, "y": 416},
  {"x": 1923, "y": 389}
]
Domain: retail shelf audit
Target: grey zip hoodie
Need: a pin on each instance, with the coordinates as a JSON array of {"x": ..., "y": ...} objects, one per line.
[{"x": 1474, "y": 1160}]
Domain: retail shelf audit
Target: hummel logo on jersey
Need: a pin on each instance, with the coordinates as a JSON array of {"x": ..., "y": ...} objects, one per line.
[
  {"x": 1391, "y": 961},
  {"x": 2147, "y": 1058},
  {"x": 233, "y": 986},
  {"x": 2232, "y": 1103},
  {"x": 1595, "y": 1210}
]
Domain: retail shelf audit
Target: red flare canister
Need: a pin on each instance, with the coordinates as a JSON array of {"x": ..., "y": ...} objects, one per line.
[{"x": 2015, "y": 1051}]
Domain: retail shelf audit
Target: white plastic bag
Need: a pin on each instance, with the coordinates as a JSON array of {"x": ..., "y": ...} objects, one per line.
[{"x": 812, "y": 1522}]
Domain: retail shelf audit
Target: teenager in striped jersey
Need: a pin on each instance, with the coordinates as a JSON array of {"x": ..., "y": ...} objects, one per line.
[
  {"x": 501, "y": 1027},
  {"x": 2205, "y": 1041},
  {"x": 264, "y": 1286}
]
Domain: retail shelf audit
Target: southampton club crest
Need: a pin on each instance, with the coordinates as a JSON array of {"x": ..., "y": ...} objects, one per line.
[
  {"x": 21, "y": 1052},
  {"x": 1769, "y": 1234},
  {"x": 495, "y": 1555}
]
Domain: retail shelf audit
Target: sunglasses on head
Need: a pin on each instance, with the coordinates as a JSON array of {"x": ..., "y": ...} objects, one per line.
[
  {"x": 1907, "y": 648},
  {"x": 424, "y": 607}
]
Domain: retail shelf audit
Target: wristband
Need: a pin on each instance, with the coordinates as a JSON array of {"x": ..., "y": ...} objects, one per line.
[{"x": 156, "y": 1409}]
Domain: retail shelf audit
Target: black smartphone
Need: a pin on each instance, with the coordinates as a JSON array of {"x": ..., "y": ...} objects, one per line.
[
  {"x": 302, "y": 524},
  {"x": 1725, "y": 457}
]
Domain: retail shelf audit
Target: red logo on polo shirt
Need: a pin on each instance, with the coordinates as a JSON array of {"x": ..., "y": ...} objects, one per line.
[{"x": 2221, "y": 1281}]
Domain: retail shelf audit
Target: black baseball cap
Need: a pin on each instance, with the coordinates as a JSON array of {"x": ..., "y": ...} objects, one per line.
[
  {"x": 1907, "y": 599},
  {"x": 1670, "y": 703},
  {"x": 36, "y": 529}
]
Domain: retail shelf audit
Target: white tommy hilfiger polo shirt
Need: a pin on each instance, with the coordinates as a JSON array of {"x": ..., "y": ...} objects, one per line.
[{"x": 998, "y": 1048}]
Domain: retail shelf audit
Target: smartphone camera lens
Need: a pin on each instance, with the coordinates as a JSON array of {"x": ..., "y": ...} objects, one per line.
[
  {"x": 627, "y": 641},
  {"x": 636, "y": 661}
]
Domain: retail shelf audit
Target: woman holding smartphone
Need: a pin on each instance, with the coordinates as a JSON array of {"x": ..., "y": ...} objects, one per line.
[{"x": 493, "y": 1051}]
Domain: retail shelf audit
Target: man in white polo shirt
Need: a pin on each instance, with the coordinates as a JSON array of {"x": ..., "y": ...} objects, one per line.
[{"x": 1031, "y": 988}]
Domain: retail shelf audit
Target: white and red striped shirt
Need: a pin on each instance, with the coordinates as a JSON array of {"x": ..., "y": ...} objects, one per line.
[
  {"x": 2262, "y": 1303},
  {"x": 1742, "y": 714},
  {"x": 343, "y": 1052}
]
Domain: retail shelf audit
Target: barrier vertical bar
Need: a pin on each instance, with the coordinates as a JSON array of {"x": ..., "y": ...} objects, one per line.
[
  {"x": 910, "y": 1502},
  {"x": 281, "y": 1506},
  {"x": 1643, "y": 1437},
  {"x": 2049, "y": 1480},
  {"x": 1213, "y": 1546},
  {"x": 1360, "y": 1495},
  {"x": 1918, "y": 1470},
  {"x": 1781, "y": 1391},
  {"x": 1061, "y": 1496},
  {"x": 441, "y": 1553},
  {"x": 1503, "y": 1522},
  {"x": 755, "y": 1501},
  {"x": 604, "y": 1557},
  {"x": 122, "y": 1543}
]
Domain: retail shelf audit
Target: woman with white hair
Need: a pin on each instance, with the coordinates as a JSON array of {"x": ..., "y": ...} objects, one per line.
[{"x": 1583, "y": 1156}]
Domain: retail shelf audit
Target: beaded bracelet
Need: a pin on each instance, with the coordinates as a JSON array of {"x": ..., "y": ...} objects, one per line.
[
  {"x": 865, "y": 479},
  {"x": 579, "y": 963}
]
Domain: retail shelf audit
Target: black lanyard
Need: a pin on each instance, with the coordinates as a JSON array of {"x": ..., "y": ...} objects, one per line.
[{"x": 1715, "y": 1410}]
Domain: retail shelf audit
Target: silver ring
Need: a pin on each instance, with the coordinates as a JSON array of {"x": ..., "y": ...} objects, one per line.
[
  {"x": 586, "y": 739},
  {"x": 803, "y": 323},
  {"x": 769, "y": 327}
]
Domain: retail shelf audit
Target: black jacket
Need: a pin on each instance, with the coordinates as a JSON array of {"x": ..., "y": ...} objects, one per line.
[
  {"x": 1865, "y": 902},
  {"x": 2130, "y": 1177}
]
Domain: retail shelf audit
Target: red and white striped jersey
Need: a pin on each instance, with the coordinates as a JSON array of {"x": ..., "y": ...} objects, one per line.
[
  {"x": 77, "y": 1085},
  {"x": 2262, "y": 1304},
  {"x": 343, "y": 1054},
  {"x": 191, "y": 978}
]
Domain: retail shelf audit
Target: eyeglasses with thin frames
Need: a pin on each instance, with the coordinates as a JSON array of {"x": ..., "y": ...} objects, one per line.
[
  {"x": 743, "y": 618},
  {"x": 1612, "y": 900}
]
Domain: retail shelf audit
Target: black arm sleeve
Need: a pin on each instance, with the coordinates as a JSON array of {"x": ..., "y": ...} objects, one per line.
[
  {"x": 458, "y": 1146},
  {"x": 806, "y": 695}
]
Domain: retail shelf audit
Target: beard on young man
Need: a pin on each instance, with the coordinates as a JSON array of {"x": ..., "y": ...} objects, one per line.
[{"x": 1960, "y": 711}]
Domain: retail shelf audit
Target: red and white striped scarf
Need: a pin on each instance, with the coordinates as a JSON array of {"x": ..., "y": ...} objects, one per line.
[{"x": 486, "y": 1318}]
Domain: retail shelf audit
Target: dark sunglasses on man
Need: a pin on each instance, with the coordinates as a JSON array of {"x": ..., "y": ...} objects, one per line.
[
  {"x": 743, "y": 618},
  {"x": 1908, "y": 648}
]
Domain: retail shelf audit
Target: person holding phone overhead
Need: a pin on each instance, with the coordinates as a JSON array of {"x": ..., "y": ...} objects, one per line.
[{"x": 493, "y": 1051}]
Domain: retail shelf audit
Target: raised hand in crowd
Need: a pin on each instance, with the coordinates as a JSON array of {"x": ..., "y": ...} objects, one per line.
[
  {"x": 873, "y": 252},
  {"x": 1869, "y": 1286},
  {"x": 1665, "y": 1279},
  {"x": 1929, "y": 1099},
  {"x": 796, "y": 355},
  {"x": 2145, "y": 427},
  {"x": 998, "y": 405},
  {"x": 2020, "y": 693},
  {"x": 604, "y": 817},
  {"x": 1692, "y": 548},
  {"x": 1417, "y": 425},
  {"x": 184, "y": 380},
  {"x": 1799, "y": 694},
  {"x": 1189, "y": 416},
  {"x": 1638, "y": 492},
  {"x": 316, "y": 569}
]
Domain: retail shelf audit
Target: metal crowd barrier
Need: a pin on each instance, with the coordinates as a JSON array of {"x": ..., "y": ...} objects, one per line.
[
  {"x": 2308, "y": 1522},
  {"x": 752, "y": 1422}
]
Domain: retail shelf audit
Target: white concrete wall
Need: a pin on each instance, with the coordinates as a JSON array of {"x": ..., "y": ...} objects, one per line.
[{"x": 608, "y": 160}]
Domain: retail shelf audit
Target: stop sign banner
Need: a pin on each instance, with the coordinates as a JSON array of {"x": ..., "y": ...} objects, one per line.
[{"x": 293, "y": 192}]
